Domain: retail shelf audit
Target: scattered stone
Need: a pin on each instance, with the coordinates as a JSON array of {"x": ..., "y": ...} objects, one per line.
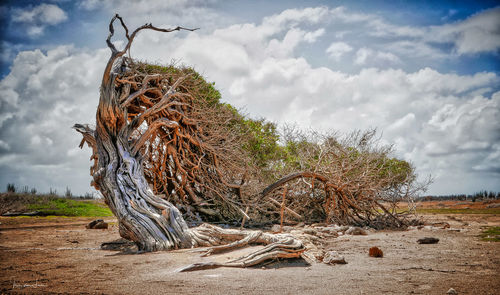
[
  {"x": 428, "y": 240},
  {"x": 452, "y": 291},
  {"x": 495, "y": 205},
  {"x": 332, "y": 257},
  {"x": 97, "y": 224},
  {"x": 375, "y": 252},
  {"x": 354, "y": 230}
]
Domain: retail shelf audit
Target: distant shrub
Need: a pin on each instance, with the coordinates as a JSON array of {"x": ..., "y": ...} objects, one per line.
[
  {"x": 68, "y": 193},
  {"x": 11, "y": 188}
]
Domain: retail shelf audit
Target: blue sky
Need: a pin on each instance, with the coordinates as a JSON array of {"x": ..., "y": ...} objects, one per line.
[{"x": 424, "y": 73}]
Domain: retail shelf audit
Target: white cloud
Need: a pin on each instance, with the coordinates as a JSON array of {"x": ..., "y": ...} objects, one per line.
[
  {"x": 187, "y": 13},
  {"x": 40, "y": 100},
  {"x": 478, "y": 33},
  {"x": 38, "y": 17},
  {"x": 45, "y": 13},
  {"x": 337, "y": 49},
  {"x": 311, "y": 37},
  {"x": 362, "y": 55},
  {"x": 366, "y": 54}
]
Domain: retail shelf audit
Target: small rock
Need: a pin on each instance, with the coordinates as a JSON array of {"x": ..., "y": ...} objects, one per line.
[
  {"x": 332, "y": 257},
  {"x": 97, "y": 224},
  {"x": 354, "y": 230},
  {"x": 452, "y": 291},
  {"x": 428, "y": 240},
  {"x": 375, "y": 252}
]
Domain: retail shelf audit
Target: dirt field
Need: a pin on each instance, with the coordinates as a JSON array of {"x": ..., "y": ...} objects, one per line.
[{"x": 58, "y": 255}]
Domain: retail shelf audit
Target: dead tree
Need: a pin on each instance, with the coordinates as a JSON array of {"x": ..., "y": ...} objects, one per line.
[{"x": 127, "y": 122}]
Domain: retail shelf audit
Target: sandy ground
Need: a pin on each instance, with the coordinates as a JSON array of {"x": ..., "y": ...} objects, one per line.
[{"x": 43, "y": 255}]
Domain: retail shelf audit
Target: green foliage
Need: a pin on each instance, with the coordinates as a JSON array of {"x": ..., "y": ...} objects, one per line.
[
  {"x": 491, "y": 234},
  {"x": 262, "y": 141},
  {"x": 399, "y": 170},
  {"x": 68, "y": 207},
  {"x": 51, "y": 205}
]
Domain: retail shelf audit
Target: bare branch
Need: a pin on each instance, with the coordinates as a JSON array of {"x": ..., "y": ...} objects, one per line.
[
  {"x": 88, "y": 135},
  {"x": 115, "y": 54},
  {"x": 151, "y": 130}
]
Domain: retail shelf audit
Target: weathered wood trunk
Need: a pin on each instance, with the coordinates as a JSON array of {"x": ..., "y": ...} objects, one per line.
[{"x": 151, "y": 222}]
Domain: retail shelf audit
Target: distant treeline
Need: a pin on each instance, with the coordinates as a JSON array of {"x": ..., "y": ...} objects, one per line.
[
  {"x": 12, "y": 188},
  {"x": 481, "y": 195}
]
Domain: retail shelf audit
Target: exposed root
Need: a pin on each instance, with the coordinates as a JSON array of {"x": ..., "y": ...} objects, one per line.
[{"x": 276, "y": 246}]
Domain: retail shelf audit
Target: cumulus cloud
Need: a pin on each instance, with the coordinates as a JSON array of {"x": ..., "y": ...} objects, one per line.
[
  {"x": 190, "y": 13},
  {"x": 38, "y": 17},
  {"x": 337, "y": 49},
  {"x": 364, "y": 54},
  {"x": 478, "y": 33},
  {"x": 40, "y": 100}
]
